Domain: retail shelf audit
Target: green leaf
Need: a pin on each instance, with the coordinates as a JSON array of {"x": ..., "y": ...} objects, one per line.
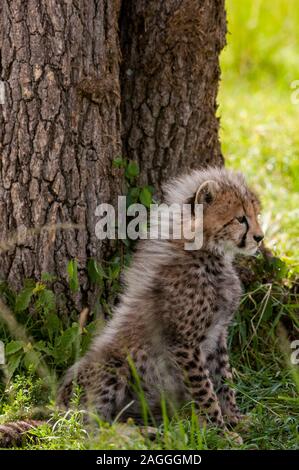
[
  {"x": 88, "y": 332},
  {"x": 132, "y": 196},
  {"x": 63, "y": 348},
  {"x": 32, "y": 359},
  {"x": 23, "y": 299},
  {"x": 132, "y": 170},
  {"x": 115, "y": 271},
  {"x": 119, "y": 162},
  {"x": 151, "y": 189},
  {"x": 278, "y": 267},
  {"x": 72, "y": 269},
  {"x": 68, "y": 336},
  {"x": 41, "y": 346},
  {"x": 7, "y": 294},
  {"x": 13, "y": 347},
  {"x": 46, "y": 301},
  {"x": 13, "y": 363},
  {"x": 146, "y": 196},
  {"x": 281, "y": 269},
  {"x": 268, "y": 312},
  {"x": 53, "y": 324},
  {"x": 95, "y": 271}
]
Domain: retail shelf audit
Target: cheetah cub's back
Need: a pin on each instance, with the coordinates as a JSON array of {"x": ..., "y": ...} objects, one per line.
[{"x": 170, "y": 326}]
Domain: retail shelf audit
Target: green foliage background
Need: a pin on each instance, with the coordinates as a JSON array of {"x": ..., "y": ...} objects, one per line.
[{"x": 259, "y": 122}]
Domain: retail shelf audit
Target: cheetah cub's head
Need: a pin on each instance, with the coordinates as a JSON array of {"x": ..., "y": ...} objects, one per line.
[
  {"x": 230, "y": 209},
  {"x": 230, "y": 214}
]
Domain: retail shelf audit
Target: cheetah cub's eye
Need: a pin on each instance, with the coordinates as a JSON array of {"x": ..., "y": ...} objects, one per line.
[{"x": 242, "y": 219}]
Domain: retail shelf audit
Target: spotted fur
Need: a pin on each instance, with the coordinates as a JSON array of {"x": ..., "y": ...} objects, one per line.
[{"x": 172, "y": 320}]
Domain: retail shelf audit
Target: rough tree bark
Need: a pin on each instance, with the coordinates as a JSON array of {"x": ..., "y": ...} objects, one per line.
[
  {"x": 169, "y": 77},
  {"x": 59, "y": 131},
  {"x": 85, "y": 81}
]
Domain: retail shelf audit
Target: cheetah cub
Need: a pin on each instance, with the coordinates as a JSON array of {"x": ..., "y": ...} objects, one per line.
[{"x": 177, "y": 304}]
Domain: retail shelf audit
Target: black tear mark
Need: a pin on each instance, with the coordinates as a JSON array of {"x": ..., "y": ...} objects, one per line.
[{"x": 242, "y": 243}]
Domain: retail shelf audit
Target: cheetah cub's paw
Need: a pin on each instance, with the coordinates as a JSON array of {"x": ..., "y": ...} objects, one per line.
[{"x": 234, "y": 437}]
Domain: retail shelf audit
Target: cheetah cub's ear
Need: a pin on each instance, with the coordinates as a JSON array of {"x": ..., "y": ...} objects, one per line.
[{"x": 206, "y": 192}]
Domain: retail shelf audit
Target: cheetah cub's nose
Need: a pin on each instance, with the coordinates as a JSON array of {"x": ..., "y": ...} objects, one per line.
[{"x": 258, "y": 238}]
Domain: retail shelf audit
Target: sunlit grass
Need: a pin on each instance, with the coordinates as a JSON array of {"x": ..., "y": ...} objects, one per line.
[
  {"x": 259, "y": 122},
  {"x": 260, "y": 137},
  {"x": 263, "y": 40}
]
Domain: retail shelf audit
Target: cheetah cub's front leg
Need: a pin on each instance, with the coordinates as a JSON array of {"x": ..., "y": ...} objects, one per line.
[
  {"x": 198, "y": 384},
  {"x": 201, "y": 388},
  {"x": 219, "y": 367}
]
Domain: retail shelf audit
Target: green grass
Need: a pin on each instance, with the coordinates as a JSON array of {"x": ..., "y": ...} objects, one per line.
[
  {"x": 259, "y": 134},
  {"x": 268, "y": 395},
  {"x": 259, "y": 123}
]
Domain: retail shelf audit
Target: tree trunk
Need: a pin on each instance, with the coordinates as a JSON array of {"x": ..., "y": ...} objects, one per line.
[
  {"x": 71, "y": 106},
  {"x": 60, "y": 131},
  {"x": 170, "y": 74}
]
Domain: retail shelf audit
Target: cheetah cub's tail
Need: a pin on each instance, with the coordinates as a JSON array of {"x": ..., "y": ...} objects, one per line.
[{"x": 15, "y": 434}]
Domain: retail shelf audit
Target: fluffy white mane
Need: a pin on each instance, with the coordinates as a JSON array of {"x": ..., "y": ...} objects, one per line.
[{"x": 179, "y": 190}]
